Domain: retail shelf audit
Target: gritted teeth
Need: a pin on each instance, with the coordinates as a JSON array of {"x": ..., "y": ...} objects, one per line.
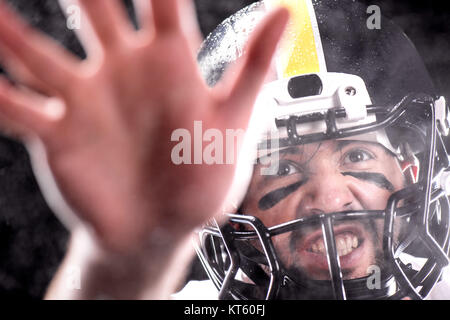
[{"x": 345, "y": 243}]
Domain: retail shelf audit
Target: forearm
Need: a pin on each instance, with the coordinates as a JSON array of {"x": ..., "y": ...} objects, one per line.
[{"x": 89, "y": 272}]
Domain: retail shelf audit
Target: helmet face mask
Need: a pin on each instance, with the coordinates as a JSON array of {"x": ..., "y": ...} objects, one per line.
[
  {"x": 373, "y": 246},
  {"x": 346, "y": 199}
]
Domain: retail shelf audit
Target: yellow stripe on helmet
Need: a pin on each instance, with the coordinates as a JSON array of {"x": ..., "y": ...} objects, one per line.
[{"x": 300, "y": 51}]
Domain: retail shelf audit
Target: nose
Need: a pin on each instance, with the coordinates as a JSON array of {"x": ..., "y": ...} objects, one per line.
[{"x": 326, "y": 192}]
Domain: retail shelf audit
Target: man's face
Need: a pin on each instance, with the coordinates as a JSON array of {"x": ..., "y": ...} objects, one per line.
[{"x": 320, "y": 178}]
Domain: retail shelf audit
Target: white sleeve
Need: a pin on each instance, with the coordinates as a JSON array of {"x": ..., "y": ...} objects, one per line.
[
  {"x": 441, "y": 290},
  {"x": 197, "y": 290}
]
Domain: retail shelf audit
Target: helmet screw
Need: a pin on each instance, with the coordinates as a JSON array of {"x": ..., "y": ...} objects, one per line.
[{"x": 350, "y": 91}]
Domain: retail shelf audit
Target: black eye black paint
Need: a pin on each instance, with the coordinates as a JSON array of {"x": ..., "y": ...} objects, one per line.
[
  {"x": 274, "y": 197},
  {"x": 377, "y": 178}
]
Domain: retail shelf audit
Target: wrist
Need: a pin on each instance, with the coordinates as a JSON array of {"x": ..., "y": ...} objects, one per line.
[{"x": 152, "y": 272}]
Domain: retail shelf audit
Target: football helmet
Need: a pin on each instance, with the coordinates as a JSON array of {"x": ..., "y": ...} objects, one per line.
[{"x": 358, "y": 103}]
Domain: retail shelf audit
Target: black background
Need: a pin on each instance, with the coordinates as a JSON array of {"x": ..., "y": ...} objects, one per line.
[{"x": 32, "y": 241}]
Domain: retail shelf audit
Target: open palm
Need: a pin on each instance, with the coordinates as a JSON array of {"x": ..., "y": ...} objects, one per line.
[{"x": 104, "y": 125}]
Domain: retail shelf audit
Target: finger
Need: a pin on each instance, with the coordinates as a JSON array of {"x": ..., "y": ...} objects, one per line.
[
  {"x": 44, "y": 58},
  {"x": 166, "y": 16},
  {"x": 22, "y": 110},
  {"x": 108, "y": 20},
  {"x": 144, "y": 14},
  {"x": 20, "y": 73},
  {"x": 255, "y": 65},
  {"x": 189, "y": 24},
  {"x": 78, "y": 21}
]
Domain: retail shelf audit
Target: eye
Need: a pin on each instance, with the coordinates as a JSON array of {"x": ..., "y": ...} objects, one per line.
[
  {"x": 286, "y": 168},
  {"x": 357, "y": 155}
]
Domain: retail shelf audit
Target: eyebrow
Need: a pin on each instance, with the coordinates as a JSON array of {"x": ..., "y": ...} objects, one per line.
[
  {"x": 282, "y": 152},
  {"x": 340, "y": 144},
  {"x": 290, "y": 150},
  {"x": 343, "y": 143}
]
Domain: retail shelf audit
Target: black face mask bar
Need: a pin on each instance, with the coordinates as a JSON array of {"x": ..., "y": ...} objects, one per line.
[
  {"x": 278, "y": 276},
  {"x": 222, "y": 255},
  {"x": 431, "y": 271}
]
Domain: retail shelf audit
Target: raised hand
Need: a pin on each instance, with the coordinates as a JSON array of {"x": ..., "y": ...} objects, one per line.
[{"x": 104, "y": 124}]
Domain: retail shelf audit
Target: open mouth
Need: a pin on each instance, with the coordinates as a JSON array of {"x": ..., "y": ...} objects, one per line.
[
  {"x": 350, "y": 246},
  {"x": 346, "y": 243}
]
